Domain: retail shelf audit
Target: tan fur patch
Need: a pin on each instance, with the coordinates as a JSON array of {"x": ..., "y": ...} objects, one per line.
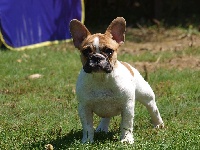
[
  {"x": 104, "y": 40},
  {"x": 128, "y": 67}
]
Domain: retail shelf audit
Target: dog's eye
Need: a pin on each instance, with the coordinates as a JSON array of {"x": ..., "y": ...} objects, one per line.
[
  {"x": 87, "y": 51},
  {"x": 108, "y": 51}
]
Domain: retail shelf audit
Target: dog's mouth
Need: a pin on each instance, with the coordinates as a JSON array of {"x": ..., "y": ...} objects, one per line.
[{"x": 97, "y": 63}]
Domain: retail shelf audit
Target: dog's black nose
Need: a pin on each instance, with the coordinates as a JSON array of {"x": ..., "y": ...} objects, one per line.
[{"x": 97, "y": 58}]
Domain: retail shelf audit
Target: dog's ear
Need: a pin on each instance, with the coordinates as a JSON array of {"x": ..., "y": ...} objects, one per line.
[
  {"x": 79, "y": 32},
  {"x": 116, "y": 30}
]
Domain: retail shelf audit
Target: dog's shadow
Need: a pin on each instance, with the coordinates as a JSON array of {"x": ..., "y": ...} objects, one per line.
[
  {"x": 74, "y": 137},
  {"x": 65, "y": 141}
]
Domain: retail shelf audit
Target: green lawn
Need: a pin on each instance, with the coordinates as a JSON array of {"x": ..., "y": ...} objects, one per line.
[{"x": 36, "y": 112}]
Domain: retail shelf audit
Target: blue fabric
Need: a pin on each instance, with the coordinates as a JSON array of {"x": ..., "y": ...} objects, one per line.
[{"x": 27, "y": 22}]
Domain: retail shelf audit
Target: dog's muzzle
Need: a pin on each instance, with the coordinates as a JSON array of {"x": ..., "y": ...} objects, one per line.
[{"x": 97, "y": 63}]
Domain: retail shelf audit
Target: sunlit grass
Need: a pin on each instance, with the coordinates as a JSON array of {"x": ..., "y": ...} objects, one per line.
[{"x": 36, "y": 112}]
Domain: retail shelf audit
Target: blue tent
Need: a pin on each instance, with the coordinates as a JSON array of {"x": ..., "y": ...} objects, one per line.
[{"x": 32, "y": 23}]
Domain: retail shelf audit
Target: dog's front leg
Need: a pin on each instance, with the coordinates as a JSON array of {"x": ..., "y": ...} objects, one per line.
[
  {"x": 86, "y": 117},
  {"x": 127, "y": 123}
]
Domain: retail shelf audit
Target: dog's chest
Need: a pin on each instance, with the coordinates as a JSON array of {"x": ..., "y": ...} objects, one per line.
[
  {"x": 105, "y": 95},
  {"x": 104, "y": 102}
]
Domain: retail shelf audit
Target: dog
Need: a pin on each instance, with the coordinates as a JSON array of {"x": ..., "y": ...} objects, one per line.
[{"x": 106, "y": 86}]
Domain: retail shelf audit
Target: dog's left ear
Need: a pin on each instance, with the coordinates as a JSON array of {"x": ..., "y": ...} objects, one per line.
[
  {"x": 116, "y": 30},
  {"x": 79, "y": 32}
]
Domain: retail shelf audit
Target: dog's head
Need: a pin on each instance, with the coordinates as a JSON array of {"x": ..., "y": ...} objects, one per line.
[{"x": 98, "y": 51}]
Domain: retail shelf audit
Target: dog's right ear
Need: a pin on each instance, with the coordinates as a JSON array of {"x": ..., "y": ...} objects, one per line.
[{"x": 79, "y": 32}]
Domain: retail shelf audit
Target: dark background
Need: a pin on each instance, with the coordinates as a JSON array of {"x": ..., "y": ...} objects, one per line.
[{"x": 167, "y": 13}]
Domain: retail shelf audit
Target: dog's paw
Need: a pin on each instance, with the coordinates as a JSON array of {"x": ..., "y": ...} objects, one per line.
[
  {"x": 86, "y": 140},
  {"x": 128, "y": 139},
  {"x": 160, "y": 126},
  {"x": 102, "y": 129}
]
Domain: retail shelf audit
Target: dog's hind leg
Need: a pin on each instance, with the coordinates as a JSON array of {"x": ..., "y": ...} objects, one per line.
[
  {"x": 103, "y": 125},
  {"x": 146, "y": 96},
  {"x": 154, "y": 113}
]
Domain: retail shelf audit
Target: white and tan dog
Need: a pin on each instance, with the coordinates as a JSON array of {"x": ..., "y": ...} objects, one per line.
[{"x": 106, "y": 86}]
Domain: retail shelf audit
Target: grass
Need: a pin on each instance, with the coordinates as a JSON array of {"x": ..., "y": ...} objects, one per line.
[{"x": 36, "y": 112}]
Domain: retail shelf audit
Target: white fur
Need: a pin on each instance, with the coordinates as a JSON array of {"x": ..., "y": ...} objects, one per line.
[
  {"x": 112, "y": 94},
  {"x": 96, "y": 44}
]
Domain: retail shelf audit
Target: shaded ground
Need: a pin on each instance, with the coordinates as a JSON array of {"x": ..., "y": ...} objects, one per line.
[{"x": 163, "y": 41}]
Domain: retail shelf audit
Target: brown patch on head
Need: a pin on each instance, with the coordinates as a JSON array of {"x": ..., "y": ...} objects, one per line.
[
  {"x": 104, "y": 41},
  {"x": 115, "y": 33},
  {"x": 128, "y": 67}
]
